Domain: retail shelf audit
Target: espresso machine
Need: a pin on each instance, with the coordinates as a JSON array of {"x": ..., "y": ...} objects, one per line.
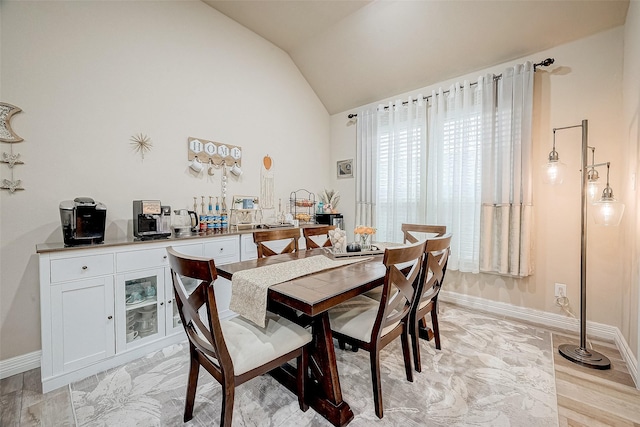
[
  {"x": 83, "y": 221},
  {"x": 151, "y": 220}
]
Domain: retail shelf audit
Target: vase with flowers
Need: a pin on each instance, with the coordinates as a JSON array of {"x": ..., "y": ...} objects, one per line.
[{"x": 364, "y": 233}]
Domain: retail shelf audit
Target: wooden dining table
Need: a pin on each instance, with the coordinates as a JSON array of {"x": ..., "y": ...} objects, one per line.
[{"x": 313, "y": 295}]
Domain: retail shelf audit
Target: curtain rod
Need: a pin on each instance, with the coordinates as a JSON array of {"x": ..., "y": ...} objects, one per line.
[{"x": 543, "y": 63}]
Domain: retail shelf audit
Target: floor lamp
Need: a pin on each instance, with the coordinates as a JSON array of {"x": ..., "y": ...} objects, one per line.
[{"x": 608, "y": 211}]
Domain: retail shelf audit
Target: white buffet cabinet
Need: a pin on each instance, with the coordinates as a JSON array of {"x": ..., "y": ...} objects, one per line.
[{"x": 102, "y": 306}]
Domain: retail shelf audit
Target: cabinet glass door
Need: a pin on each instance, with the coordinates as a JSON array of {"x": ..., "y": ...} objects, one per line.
[
  {"x": 174, "y": 323},
  {"x": 142, "y": 295}
]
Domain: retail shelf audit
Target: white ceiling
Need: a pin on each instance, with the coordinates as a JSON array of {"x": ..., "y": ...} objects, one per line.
[{"x": 356, "y": 52}]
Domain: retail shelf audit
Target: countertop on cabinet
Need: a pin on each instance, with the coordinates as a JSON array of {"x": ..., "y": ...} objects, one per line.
[{"x": 42, "y": 248}]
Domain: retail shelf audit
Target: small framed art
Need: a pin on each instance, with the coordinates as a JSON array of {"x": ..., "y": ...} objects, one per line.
[{"x": 345, "y": 168}]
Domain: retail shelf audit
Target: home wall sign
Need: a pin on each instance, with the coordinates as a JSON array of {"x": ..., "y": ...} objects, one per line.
[
  {"x": 215, "y": 153},
  {"x": 7, "y": 135}
]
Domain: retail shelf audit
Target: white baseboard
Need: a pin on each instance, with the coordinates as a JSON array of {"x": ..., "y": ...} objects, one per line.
[
  {"x": 20, "y": 364},
  {"x": 627, "y": 355},
  {"x": 550, "y": 320}
]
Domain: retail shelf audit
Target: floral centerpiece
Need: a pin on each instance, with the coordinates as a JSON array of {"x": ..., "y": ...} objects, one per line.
[{"x": 365, "y": 236}]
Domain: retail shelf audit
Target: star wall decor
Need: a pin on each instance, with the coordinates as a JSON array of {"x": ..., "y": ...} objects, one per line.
[
  {"x": 7, "y": 135},
  {"x": 11, "y": 185}
]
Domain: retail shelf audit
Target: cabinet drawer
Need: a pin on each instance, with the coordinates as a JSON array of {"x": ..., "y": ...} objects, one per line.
[
  {"x": 151, "y": 258},
  {"x": 223, "y": 250},
  {"x": 66, "y": 269},
  {"x": 138, "y": 260}
]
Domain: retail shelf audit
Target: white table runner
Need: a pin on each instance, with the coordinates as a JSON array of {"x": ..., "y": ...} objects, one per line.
[{"x": 249, "y": 287}]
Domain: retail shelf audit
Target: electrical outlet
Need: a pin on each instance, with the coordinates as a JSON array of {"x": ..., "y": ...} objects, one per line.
[{"x": 561, "y": 290}]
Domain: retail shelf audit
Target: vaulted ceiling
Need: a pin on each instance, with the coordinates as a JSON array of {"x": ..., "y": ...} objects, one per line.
[{"x": 356, "y": 52}]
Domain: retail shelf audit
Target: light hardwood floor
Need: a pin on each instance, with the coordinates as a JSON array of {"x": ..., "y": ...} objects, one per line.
[
  {"x": 591, "y": 397},
  {"x": 586, "y": 397}
]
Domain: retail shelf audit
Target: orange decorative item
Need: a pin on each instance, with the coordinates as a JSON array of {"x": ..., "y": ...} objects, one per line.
[{"x": 365, "y": 233}]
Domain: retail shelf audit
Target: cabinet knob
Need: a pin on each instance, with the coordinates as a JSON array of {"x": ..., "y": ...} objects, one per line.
[
  {"x": 109, "y": 317},
  {"x": 161, "y": 303},
  {"x": 164, "y": 257},
  {"x": 169, "y": 302},
  {"x": 221, "y": 249},
  {"x": 84, "y": 267}
]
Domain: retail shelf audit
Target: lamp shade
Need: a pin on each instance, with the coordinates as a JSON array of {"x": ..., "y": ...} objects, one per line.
[
  {"x": 593, "y": 191},
  {"x": 608, "y": 211},
  {"x": 553, "y": 172}
]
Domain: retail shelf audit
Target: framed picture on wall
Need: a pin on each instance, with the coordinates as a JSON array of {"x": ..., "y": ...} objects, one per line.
[{"x": 345, "y": 168}]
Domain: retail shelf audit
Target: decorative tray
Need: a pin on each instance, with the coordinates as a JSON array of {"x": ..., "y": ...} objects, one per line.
[
  {"x": 334, "y": 254},
  {"x": 377, "y": 248},
  {"x": 278, "y": 225}
]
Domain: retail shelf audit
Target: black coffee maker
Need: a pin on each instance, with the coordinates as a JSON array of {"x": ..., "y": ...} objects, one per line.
[{"x": 83, "y": 221}]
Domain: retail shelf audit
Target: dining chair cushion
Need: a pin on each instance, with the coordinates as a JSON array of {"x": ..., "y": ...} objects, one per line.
[
  {"x": 355, "y": 318},
  {"x": 251, "y": 346}
]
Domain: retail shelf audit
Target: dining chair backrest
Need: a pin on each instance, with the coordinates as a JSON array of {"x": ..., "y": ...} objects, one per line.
[
  {"x": 206, "y": 337},
  {"x": 403, "y": 266},
  {"x": 308, "y": 232},
  {"x": 291, "y": 234},
  {"x": 437, "y": 250},
  {"x": 408, "y": 231}
]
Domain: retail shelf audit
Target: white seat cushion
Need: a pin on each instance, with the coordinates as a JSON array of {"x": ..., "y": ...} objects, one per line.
[
  {"x": 355, "y": 318},
  {"x": 251, "y": 346}
]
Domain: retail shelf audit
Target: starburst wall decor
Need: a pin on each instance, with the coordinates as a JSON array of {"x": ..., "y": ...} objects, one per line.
[{"x": 141, "y": 144}]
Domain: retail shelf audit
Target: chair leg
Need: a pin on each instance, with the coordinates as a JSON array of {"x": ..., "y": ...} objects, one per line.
[
  {"x": 415, "y": 341},
  {"x": 341, "y": 344},
  {"x": 302, "y": 378},
  {"x": 434, "y": 325},
  {"x": 406, "y": 353},
  {"x": 374, "y": 357},
  {"x": 227, "y": 402},
  {"x": 192, "y": 385}
]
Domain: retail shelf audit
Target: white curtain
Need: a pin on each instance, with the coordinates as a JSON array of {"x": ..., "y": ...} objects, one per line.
[
  {"x": 365, "y": 167},
  {"x": 472, "y": 173},
  {"x": 400, "y": 178},
  {"x": 454, "y": 166},
  {"x": 506, "y": 241}
]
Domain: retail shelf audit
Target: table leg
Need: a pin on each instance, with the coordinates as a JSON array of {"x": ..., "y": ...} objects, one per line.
[
  {"x": 426, "y": 333},
  {"x": 322, "y": 389},
  {"x": 324, "y": 392}
]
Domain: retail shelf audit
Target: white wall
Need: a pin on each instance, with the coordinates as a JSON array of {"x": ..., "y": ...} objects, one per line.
[
  {"x": 584, "y": 83},
  {"x": 631, "y": 136},
  {"x": 89, "y": 75}
]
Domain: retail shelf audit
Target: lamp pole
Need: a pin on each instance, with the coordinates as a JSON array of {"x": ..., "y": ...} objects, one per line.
[{"x": 582, "y": 355}]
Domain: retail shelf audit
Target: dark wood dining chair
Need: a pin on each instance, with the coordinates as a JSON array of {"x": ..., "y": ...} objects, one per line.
[
  {"x": 260, "y": 237},
  {"x": 437, "y": 252},
  {"x": 409, "y": 237},
  {"x": 233, "y": 351},
  {"x": 371, "y": 325},
  {"x": 308, "y": 232},
  {"x": 425, "y": 231}
]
